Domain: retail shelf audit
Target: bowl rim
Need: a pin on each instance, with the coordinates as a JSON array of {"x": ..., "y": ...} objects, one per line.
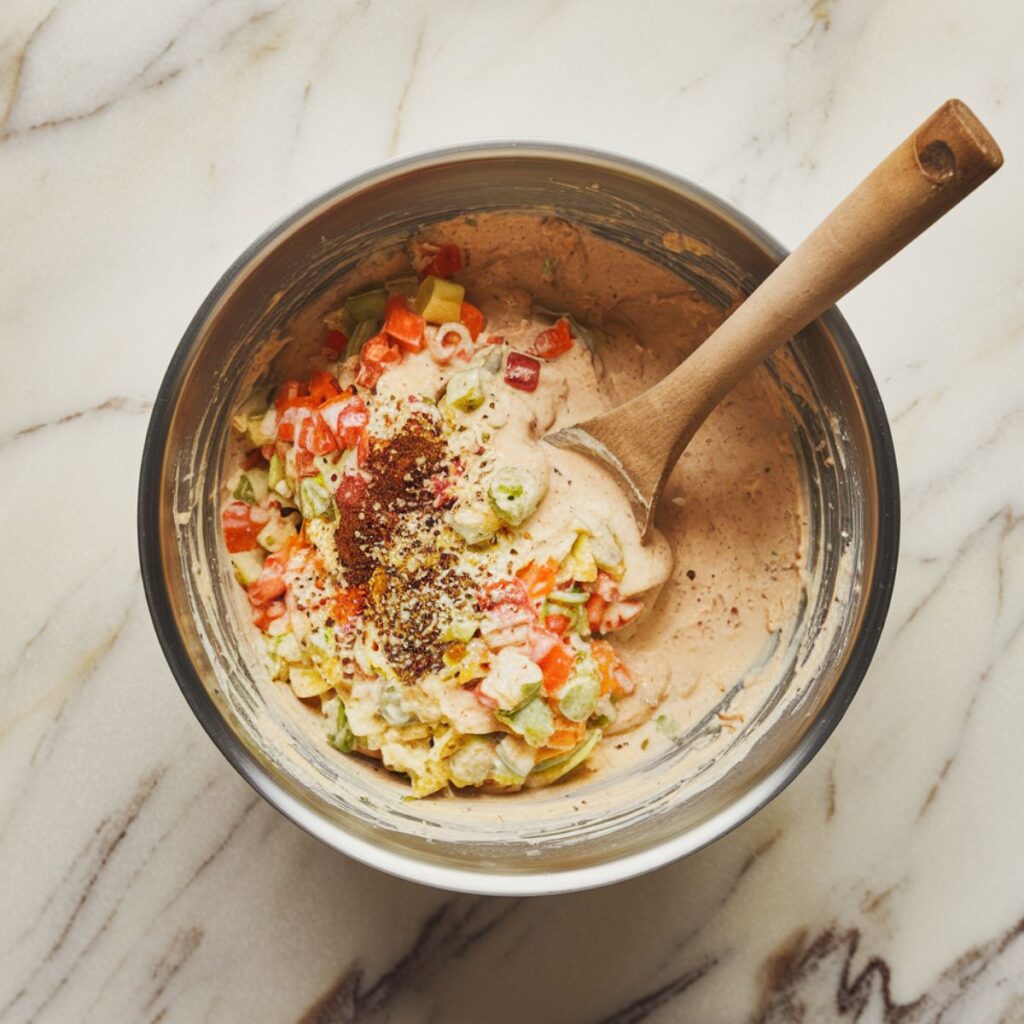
[{"x": 546, "y": 882}]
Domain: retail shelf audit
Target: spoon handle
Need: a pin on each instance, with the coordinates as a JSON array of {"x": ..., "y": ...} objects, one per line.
[{"x": 943, "y": 161}]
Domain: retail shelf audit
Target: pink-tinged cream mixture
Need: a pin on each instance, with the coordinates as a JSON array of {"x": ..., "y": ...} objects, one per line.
[{"x": 463, "y": 602}]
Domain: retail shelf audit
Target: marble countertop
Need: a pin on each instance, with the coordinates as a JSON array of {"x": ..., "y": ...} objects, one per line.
[{"x": 141, "y": 147}]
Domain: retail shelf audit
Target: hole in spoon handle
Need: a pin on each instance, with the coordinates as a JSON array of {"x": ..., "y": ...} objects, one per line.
[{"x": 954, "y": 150}]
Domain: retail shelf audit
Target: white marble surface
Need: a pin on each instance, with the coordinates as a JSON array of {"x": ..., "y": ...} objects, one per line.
[{"x": 142, "y": 145}]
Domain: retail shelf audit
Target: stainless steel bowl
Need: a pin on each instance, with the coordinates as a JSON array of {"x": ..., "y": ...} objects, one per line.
[{"x": 599, "y": 830}]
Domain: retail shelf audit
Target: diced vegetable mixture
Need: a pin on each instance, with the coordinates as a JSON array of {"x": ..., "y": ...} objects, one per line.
[{"x": 384, "y": 542}]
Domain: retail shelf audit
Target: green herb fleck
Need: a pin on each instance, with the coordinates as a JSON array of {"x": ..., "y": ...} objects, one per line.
[{"x": 666, "y": 726}]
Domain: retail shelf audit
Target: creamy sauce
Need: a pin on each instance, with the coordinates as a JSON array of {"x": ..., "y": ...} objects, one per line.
[
  {"x": 723, "y": 574},
  {"x": 732, "y": 521}
]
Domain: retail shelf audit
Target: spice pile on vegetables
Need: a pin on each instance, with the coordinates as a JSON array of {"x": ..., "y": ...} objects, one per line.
[{"x": 392, "y": 519}]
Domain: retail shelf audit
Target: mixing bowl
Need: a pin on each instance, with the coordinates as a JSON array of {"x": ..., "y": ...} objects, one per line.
[{"x": 590, "y": 831}]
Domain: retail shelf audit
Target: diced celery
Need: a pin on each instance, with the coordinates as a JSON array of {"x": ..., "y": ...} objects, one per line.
[
  {"x": 569, "y": 596},
  {"x": 518, "y": 756},
  {"x": 315, "y": 499},
  {"x": 438, "y": 300},
  {"x": 243, "y": 491},
  {"x": 475, "y": 524},
  {"x": 548, "y": 771},
  {"x": 276, "y": 534},
  {"x": 466, "y": 390},
  {"x": 514, "y": 494},
  {"x": 367, "y": 305},
  {"x": 577, "y": 697},
  {"x": 252, "y": 486},
  {"x": 580, "y": 564},
  {"x": 472, "y": 762},
  {"x": 489, "y": 358},
  {"x": 284, "y": 652},
  {"x": 286, "y": 647},
  {"x": 534, "y": 722},
  {"x": 275, "y": 474},
  {"x": 605, "y": 548},
  {"x": 390, "y": 707},
  {"x": 363, "y": 332},
  {"x": 262, "y": 428},
  {"x": 340, "y": 320},
  {"x": 247, "y": 565},
  {"x": 307, "y": 682},
  {"x": 342, "y": 738},
  {"x": 512, "y": 681}
]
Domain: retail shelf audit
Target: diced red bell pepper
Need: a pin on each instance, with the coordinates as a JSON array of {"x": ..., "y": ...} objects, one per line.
[
  {"x": 557, "y": 623},
  {"x": 323, "y": 387},
  {"x": 539, "y": 578},
  {"x": 378, "y": 354},
  {"x": 606, "y": 586},
  {"x": 315, "y": 436},
  {"x": 347, "y": 417},
  {"x": 472, "y": 319},
  {"x": 352, "y": 490},
  {"x": 554, "y": 341},
  {"x": 403, "y": 325},
  {"x": 619, "y": 614},
  {"x": 596, "y": 606},
  {"x": 336, "y": 341},
  {"x": 291, "y": 414},
  {"x": 266, "y": 589},
  {"x": 522, "y": 372},
  {"x": 443, "y": 263},
  {"x": 368, "y": 375},
  {"x": 240, "y": 528},
  {"x": 557, "y": 667},
  {"x": 263, "y": 615}
]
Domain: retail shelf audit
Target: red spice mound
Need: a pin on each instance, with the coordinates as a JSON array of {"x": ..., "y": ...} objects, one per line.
[{"x": 388, "y": 541}]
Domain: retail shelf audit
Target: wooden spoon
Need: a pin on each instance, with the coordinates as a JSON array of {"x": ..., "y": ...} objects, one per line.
[{"x": 948, "y": 157}]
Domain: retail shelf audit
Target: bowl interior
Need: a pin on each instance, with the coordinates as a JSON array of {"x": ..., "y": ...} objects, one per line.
[{"x": 575, "y": 834}]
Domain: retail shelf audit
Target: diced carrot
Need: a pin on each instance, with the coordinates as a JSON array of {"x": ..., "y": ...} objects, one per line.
[
  {"x": 472, "y": 319},
  {"x": 539, "y": 578},
  {"x": 566, "y": 736},
  {"x": 556, "y": 666},
  {"x": 616, "y": 679}
]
